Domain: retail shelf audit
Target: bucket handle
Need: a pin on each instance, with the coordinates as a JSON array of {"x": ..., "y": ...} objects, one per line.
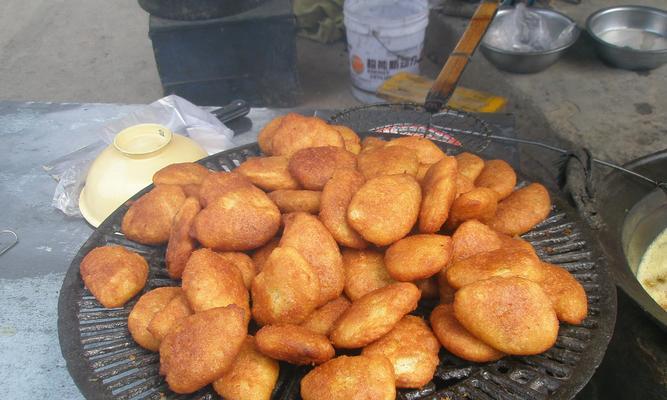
[{"x": 376, "y": 35}]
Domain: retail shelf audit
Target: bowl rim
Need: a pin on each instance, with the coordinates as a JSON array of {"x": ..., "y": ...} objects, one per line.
[
  {"x": 599, "y": 12},
  {"x": 577, "y": 33}
]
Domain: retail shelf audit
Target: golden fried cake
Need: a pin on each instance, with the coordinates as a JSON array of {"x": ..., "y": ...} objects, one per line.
[
  {"x": 418, "y": 256},
  {"x": 351, "y": 139},
  {"x": 286, "y": 291},
  {"x": 499, "y": 176},
  {"x": 265, "y": 136},
  {"x": 181, "y": 244},
  {"x": 113, "y": 274},
  {"x": 166, "y": 319},
  {"x": 457, "y": 340},
  {"x": 188, "y": 176},
  {"x": 567, "y": 295},
  {"x": 306, "y": 234},
  {"x": 268, "y": 173},
  {"x": 427, "y": 151},
  {"x": 374, "y": 315},
  {"x": 439, "y": 191},
  {"x": 288, "y": 201},
  {"x": 202, "y": 348},
  {"x": 479, "y": 203},
  {"x": 210, "y": 281},
  {"x": 469, "y": 165},
  {"x": 294, "y": 344},
  {"x": 364, "y": 272},
  {"x": 243, "y": 263},
  {"x": 143, "y": 312},
  {"x": 260, "y": 255},
  {"x": 512, "y": 315},
  {"x": 312, "y": 167},
  {"x": 336, "y": 197},
  {"x": 385, "y": 208},
  {"x": 412, "y": 348},
  {"x": 463, "y": 184},
  {"x": 371, "y": 142},
  {"x": 388, "y": 160},
  {"x": 241, "y": 219},
  {"x": 297, "y": 132},
  {"x": 345, "y": 378},
  {"x": 522, "y": 210},
  {"x": 473, "y": 237},
  {"x": 218, "y": 183},
  {"x": 252, "y": 376},
  {"x": 503, "y": 262},
  {"x": 321, "y": 320},
  {"x": 149, "y": 219}
]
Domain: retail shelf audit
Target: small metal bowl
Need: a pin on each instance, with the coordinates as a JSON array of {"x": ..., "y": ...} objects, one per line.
[
  {"x": 535, "y": 61},
  {"x": 614, "y": 29}
]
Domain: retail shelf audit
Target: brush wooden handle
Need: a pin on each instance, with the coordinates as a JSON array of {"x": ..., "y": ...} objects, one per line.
[{"x": 449, "y": 76}]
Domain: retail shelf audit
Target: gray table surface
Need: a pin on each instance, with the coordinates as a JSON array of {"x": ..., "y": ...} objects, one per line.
[{"x": 31, "y": 273}]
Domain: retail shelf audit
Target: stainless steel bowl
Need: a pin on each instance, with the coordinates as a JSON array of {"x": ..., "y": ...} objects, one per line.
[
  {"x": 620, "y": 33},
  {"x": 530, "y": 62}
]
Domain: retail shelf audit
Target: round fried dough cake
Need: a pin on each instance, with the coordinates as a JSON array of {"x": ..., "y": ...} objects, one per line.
[
  {"x": 321, "y": 320},
  {"x": 439, "y": 192},
  {"x": 306, "y": 234},
  {"x": 512, "y": 315},
  {"x": 268, "y": 173},
  {"x": 149, "y": 219},
  {"x": 457, "y": 340},
  {"x": 294, "y": 344},
  {"x": 143, "y": 312},
  {"x": 265, "y": 136},
  {"x": 288, "y": 201},
  {"x": 345, "y": 378},
  {"x": 412, "y": 349},
  {"x": 210, "y": 281},
  {"x": 241, "y": 219},
  {"x": 473, "y": 237},
  {"x": 469, "y": 165},
  {"x": 364, "y": 272},
  {"x": 243, "y": 263},
  {"x": 188, "y": 176},
  {"x": 479, "y": 203},
  {"x": 385, "y": 208},
  {"x": 504, "y": 262},
  {"x": 166, "y": 319},
  {"x": 218, "y": 183},
  {"x": 336, "y": 197},
  {"x": 351, "y": 139},
  {"x": 418, "y": 256},
  {"x": 522, "y": 210},
  {"x": 314, "y": 166},
  {"x": 463, "y": 184},
  {"x": 260, "y": 255},
  {"x": 388, "y": 160},
  {"x": 371, "y": 142},
  {"x": 566, "y": 293},
  {"x": 427, "y": 151},
  {"x": 286, "y": 291},
  {"x": 202, "y": 348},
  {"x": 297, "y": 132},
  {"x": 252, "y": 376},
  {"x": 499, "y": 176},
  {"x": 373, "y": 315},
  {"x": 181, "y": 244},
  {"x": 113, "y": 274}
]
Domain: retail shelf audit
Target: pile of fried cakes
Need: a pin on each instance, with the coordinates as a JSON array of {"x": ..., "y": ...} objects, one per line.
[{"x": 328, "y": 243}]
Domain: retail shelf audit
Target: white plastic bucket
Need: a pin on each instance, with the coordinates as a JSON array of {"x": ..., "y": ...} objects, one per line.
[{"x": 384, "y": 37}]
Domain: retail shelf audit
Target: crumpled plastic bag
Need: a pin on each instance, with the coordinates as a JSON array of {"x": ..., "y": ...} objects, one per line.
[
  {"x": 174, "y": 112},
  {"x": 526, "y": 31}
]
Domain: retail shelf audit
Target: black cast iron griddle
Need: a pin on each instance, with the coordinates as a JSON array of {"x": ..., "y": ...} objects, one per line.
[{"x": 107, "y": 364}]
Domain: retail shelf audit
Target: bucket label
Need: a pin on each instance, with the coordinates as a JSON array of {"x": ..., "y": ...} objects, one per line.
[{"x": 383, "y": 69}]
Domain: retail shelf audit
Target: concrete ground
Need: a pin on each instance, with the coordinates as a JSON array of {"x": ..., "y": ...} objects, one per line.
[{"x": 99, "y": 51}]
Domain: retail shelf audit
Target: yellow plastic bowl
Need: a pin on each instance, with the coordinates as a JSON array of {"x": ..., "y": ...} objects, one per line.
[{"x": 127, "y": 166}]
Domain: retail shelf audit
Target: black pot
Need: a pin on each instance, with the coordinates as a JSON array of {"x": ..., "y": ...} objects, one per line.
[{"x": 189, "y": 10}]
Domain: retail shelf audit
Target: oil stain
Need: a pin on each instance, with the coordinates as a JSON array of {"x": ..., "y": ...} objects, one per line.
[{"x": 643, "y": 108}]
